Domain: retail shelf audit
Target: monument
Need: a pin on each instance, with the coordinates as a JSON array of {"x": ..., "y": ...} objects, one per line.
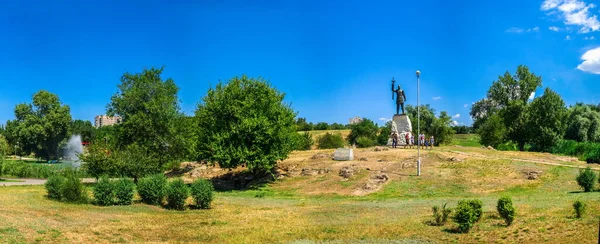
[{"x": 400, "y": 122}]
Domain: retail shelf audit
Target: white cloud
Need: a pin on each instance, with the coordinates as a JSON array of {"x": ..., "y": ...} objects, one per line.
[
  {"x": 466, "y": 105},
  {"x": 531, "y": 96},
  {"x": 534, "y": 29},
  {"x": 591, "y": 61},
  {"x": 589, "y": 38},
  {"x": 436, "y": 98},
  {"x": 385, "y": 119},
  {"x": 456, "y": 116},
  {"x": 454, "y": 122},
  {"x": 567, "y": 37},
  {"x": 573, "y": 12},
  {"x": 521, "y": 30},
  {"x": 553, "y": 28}
]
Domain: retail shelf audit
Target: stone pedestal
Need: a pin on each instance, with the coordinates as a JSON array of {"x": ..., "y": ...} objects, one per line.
[
  {"x": 401, "y": 125},
  {"x": 343, "y": 154}
]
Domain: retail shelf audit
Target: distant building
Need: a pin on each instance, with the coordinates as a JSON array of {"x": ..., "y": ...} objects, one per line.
[
  {"x": 103, "y": 120},
  {"x": 355, "y": 120}
]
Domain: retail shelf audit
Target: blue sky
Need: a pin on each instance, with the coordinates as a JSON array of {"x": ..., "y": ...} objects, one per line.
[{"x": 333, "y": 59}]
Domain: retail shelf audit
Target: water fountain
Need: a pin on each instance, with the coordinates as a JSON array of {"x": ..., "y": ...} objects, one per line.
[{"x": 73, "y": 149}]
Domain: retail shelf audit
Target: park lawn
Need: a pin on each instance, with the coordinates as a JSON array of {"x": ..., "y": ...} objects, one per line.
[
  {"x": 466, "y": 140},
  {"x": 303, "y": 209}
]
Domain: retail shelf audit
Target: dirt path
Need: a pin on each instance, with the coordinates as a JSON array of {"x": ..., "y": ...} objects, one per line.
[
  {"x": 525, "y": 160},
  {"x": 27, "y": 182}
]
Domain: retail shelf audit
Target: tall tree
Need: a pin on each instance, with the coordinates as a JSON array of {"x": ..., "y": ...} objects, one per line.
[
  {"x": 547, "y": 120},
  {"x": 149, "y": 108},
  {"x": 427, "y": 117},
  {"x": 83, "y": 128},
  {"x": 245, "y": 121},
  {"x": 441, "y": 129},
  {"x": 583, "y": 123},
  {"x": 40, "y": 127},
  {"x": 365, "y": 128}
]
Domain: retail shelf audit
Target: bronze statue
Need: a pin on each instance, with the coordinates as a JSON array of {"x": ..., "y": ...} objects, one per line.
[{"x": 400, "y": 97}]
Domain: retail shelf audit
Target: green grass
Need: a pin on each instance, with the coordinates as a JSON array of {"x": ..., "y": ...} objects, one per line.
[
  {"x": 466, "y": 140},
  {"x": 5, "y": 180}
]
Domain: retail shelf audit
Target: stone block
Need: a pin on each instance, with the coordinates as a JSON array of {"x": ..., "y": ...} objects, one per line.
[{"x": 343, "y": 154}]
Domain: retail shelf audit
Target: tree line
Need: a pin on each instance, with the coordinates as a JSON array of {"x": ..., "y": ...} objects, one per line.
[
  {"x": 509, "y": 119},
  {"x": 302, "y": 125}
]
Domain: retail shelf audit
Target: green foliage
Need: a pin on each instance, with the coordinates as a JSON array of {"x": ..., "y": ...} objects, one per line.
[
  {"x": 303, "y": 141},
  {"x": 463, "y": 129},
  {"x": 5, "y": 148},
  {"x": 440, "y": 215},
  {"x": 508, "y": 146},
  {"x": 465, "y": 215},
  {"x": 149, "y": 135},
  {"x": 364, "y": 142},
  {"x": 583, "y": 123},
  {"x": 492, "y": 132},
  {"x": 427, "y": 117},
  {"x": 152, "y": 189},
  {"x": 587, "y": 179},
  {"x": 177, "y": 193},
  {"x": 22, "y": 169},
  {"x": 579, "y": 207},
  {"x": 123, "y": 191},
  {"x": 83, "y": 128},
  {"x": 321, "y": 126},
  {"x": 54, "y": 186},
  {"x": 39, "y": 127},
  {"x": 98, "y": 162},
  {"x": 477, "y": 206},
  {"x": 384, "y": 133},
  {"x": 72, "y": 190},
  {"x": 245, "y": 121},
  {"x": 441, "y": 129},
  {"x": 104, "y": 193},
  {"x": 302, "y": 125},
  {"x": 202, "y": 191},
  {"x": 546, "y": 123},
  {"x": 506, "y": 209},
  {"x": 593, "y": 156},
  {"x": 588, "y": 151},
  {"x": 329, "y": 140},
  {"x": 366, "y": 129}
]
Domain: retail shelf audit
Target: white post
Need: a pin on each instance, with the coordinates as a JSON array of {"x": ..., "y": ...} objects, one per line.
[{"x": 418, "y": 125}]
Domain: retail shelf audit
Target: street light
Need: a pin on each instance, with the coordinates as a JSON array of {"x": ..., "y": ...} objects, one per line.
[{"x": 418, "y": 125}]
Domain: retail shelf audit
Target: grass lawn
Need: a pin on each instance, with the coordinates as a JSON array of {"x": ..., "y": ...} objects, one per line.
[
  {"x": 321, "y": 209},
  {"x": 4, "y": 180},
  {"x": 466, "y": 140}
]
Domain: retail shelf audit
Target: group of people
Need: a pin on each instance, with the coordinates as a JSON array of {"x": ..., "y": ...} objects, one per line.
[{"x": 409, "y": 140}]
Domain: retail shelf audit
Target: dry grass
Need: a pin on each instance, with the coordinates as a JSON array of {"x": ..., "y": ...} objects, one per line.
[{"x": 323, "y": 208}]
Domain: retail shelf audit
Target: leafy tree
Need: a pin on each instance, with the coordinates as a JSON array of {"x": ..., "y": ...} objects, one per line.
[
  {"x": 384, "y": 133},
  {"x": 329, "y": 140},
  {"x": 427, "y": 117},
  {"x": 98, "y": 161},
  {"x": 83, "y": 128},
  {"x": 336, "y": 126},
  {"x": 40, "y": 127},
  {"x": 365, "y": 128},
  {"x": 546, "y": 123},
  {"x": 302, "y": 125},
  {"x": 583, "y": 123},
  {"x": 492, "y": 132},
  {"x": 149, "y": 108},
  {"x": 441, "y": 129},
  {"x": 463, "y": 129},
  {"x": 5, "y": 148},
  {"x": 303, "y": 141},
  {"x": 245, "y": 121},
  {"x": 321, "y": 126}
]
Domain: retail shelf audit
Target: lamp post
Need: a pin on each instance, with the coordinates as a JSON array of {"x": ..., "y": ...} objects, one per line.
[{"x": 418, "y": 125}]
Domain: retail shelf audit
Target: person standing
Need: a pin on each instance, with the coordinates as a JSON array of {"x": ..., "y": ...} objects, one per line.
[
  {"x": 412, "y": 140},
  {"x": 431, "y": 141},
  {"x": 422, "y": 140},
  {"x": 394, "y": 140},
  {"x": 406, "y": 139}
]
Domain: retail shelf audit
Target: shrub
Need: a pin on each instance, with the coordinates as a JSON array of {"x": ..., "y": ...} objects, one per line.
[
  {"x": 364, "y": 141},
  {"x": 508, "y": 146},
  {"x": 384, "y": 133},
  {"x": 152, "y": 189},
  {"x": 123, "y": 191},
  {"x": 593, "y": 156},
  {"x": 506, "y": 209},
  {"x": 54, "y": 185},
  {"x": 202, "y": 191},
  {"x": 364, "y": 128},
  {"x": 329, "y": 140},
  {"x": 579, "y": 207},
  {"x": 303, "y": 141},
  {"x": 477, "y": 206},
  {"x": 104, "y": 192},
  {"x": 465, "y": 216},
  {"x": 586, "y": 179},
  {"x": 72, "y": 189},
  {"x": 441, "y": 215},
  {"x": 177, "y": 193}
]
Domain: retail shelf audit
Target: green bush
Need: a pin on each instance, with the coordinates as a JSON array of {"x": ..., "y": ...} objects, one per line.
[
  {"x": 477, "y": 206},
  {"x": 465, "y": 216},
  {"x": 177, "y": 193},
  {"x": 123, "y": 191},
  {"x": 364, "y": 128},
  {"x": 440, "y": 216},
  {"x": 587, "y": 179},
  {"x": 506, "y": 209},
  {"x": 54, "y": 185},
  {"x": 72, "y": 189},
  {"x": 579, "y": 207},
  {"x": 104, "y": 192},
  {"x": 364, "y": 141},
  {"x": 384, "y": 133},
  {"x": 593, "y": 156},
  {"x": 329, "y": 140},
  {"x": 588, "y": 151},
  {"x": 152, "y": 189},
  {"x": 508, "y": 146},
  {"x": 202, "y": 191},
  {"x": 21, "y": 169},
  {"x": 303, "y": 141}
]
